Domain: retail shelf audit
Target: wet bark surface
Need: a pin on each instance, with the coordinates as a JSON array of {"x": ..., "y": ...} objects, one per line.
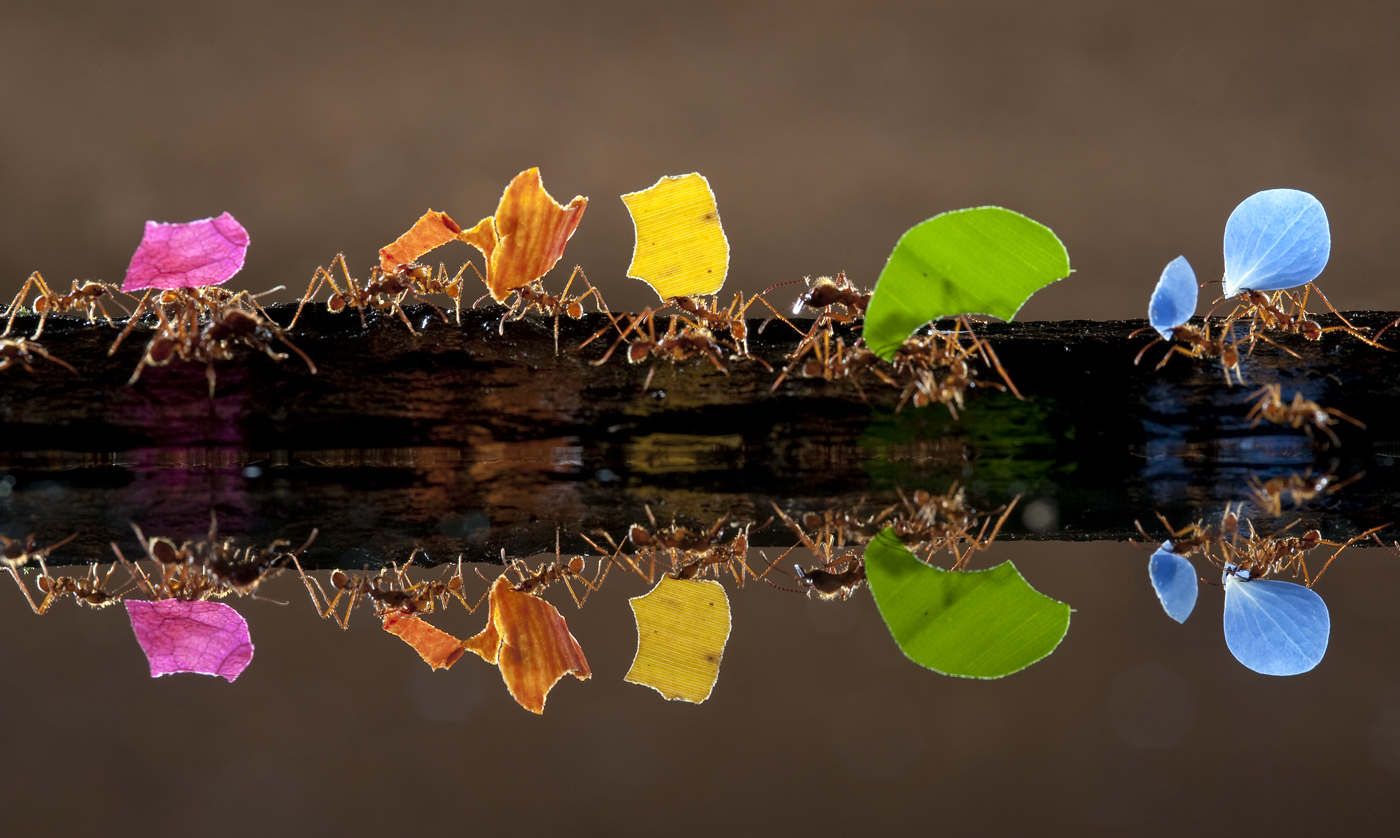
[{"x": 462, "y": 440}]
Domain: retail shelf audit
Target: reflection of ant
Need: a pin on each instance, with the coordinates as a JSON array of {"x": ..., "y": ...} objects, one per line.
[
  {"x": 86, "y": 590},
  {"x": 1300, "y": 413},
  {"x": 1301, "y": 488},
  {"x": 17, "y": 553},
  {"x": 21, "y": 351},
  {"x": 1199, "y": 343},
  {"x": 86, "y": 297},
  {"x": 1195, "y": 537}
]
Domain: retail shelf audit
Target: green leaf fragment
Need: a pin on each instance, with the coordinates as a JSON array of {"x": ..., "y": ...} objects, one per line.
[
  {"x": 972, "y": 624},
  {"x": 985, "y": 260}
]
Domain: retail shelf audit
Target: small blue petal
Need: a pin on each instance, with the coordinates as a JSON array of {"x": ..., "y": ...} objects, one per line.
[
  {"x": 1174, "y": 580},
  {"x": 1275, "y": 628},
  {"x": 1174, "y": 299},
  {"x": 1275, "y": 239}
]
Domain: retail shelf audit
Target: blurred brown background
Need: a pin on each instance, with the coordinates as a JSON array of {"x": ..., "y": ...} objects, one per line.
[{"x": 826, "y": 129}]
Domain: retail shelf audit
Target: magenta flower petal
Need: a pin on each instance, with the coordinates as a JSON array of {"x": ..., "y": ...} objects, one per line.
[
  {"x": 203, "y": 252},
  {"x": 207, "y": 638}
]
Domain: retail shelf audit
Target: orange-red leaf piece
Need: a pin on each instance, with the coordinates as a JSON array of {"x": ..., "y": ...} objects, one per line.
[
  {"x": 436, "y": 647},
  {"x": 530, "y": 640},
  {"x": 430, "y": 232},
  {"x": 526, "y": 236}
]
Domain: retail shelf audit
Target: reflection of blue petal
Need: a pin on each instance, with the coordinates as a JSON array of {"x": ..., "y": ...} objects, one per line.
[
  {"x": 1275, "y": 239},
  {"x": 1174, "y": 580},
  {"x": 1275, "y": 628},
  {"x": 1174, "y": 299}
]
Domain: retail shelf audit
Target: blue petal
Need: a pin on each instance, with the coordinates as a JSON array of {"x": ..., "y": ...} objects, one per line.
[
  {"x": 1275, "y": 628},
  {"x": 1174, "y": 580},
  {"x": 1174, "y": 299},
  {"x": 1275, "y": 239}
]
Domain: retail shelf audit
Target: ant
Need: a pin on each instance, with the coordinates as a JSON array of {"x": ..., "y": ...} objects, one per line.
[
  {"x": 708, "y": 314},
  {"x": 383, "y": 290},
  {"x": 1265, "y": 310},
  {"x": 229, "y": 324},
  {"x": 86, "y": 297},
  {"x": 1194, "y": 537},
  {"x": 824, "y": 580},
  {"x": 689, "y": 342},
  {"x": 86, "y": 590},
  {"x": 825, "y": 292},
  {"x": 534, "y": 582},
  {"x": 1300, "y": 413},
  {"x": 833, "y": 365},
  {"x": 534, "y": 296},
  {"x": 1262, "y": 556},
  {"x": 921, "y": 355},
  {"x": 1198, "y": 343},
  {"x": 21, "y": 351}
]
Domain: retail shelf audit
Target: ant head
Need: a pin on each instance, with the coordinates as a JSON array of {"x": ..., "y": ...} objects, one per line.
[
  {"x": 1230, "y": 356},
  {"x": 574, "y": 309},
  {"x": 92, "y": 289},
  {"x": 163, "y": 551},
  {"x": 1312, "y": 538},
  {"x": 170, "y": 297},
  {"x": 41, "y": 304},
  {"x": 336, "y": 303},
  {"x": 637, "y": 352},
  {"x": 576, "y": 565},
  {"x": 413, "y": 270},
  {"x": 45, "y": 584},
  {"x": 640, "y": 537},
  {"x": 1311, "y": 330},
  {"x": 339, "y": 579},
  {"x": 240, "y": 321}
]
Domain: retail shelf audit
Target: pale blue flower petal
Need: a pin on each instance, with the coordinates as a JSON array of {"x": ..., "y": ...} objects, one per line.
[
  {"x": 1273, "y": 627},
  {"x": 1275, "y": 239},
  {"x": 1174, "y": 580},
  {"x": 1174, "y": 299}
]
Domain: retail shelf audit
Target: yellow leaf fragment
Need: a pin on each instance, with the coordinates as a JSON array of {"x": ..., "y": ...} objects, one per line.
[
  {"x": 530, "y": 640},
  {"x": 436, "y": 647},
  {"x": 681, "y": 248},
  {"x": 682, "y": 626},
  {"x": 432, "y": 231},
  {"x": 526, "y": 236}
]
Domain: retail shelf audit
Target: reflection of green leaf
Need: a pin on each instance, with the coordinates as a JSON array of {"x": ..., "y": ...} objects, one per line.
[
  {"x": 974, "y": 624},
  {"x": 985, "y": 260}
]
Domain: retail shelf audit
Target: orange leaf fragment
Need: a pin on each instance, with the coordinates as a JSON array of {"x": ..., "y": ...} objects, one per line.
[
  {"x": 436, "y": 647},
  {"x": 526, "y": 236},
  {"x": 530, "y": 640},
  {"x": 430, "y": 232}
]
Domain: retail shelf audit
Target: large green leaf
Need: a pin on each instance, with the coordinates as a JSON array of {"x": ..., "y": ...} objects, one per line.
[
  {"x": 973, "y": 624},
  {"x": 985, "y": 260}
]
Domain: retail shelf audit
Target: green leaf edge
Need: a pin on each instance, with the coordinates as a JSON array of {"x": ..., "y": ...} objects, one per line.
[
  {"x": 886, "y": 540},
  {"x": 887, "y": 350}
]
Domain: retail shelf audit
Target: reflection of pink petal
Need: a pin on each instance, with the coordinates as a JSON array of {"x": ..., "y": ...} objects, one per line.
[
  {"x": 204, "y": 252},
  {"x": 207, "y": 638}
]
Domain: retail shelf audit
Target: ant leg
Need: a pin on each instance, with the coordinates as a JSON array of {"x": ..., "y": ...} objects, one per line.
[{"x": 130, "y": 323}]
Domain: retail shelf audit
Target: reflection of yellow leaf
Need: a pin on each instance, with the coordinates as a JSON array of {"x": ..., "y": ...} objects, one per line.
[
  {"x": 436, "y": 647},
  {"x": 666, "y": 453},
  {"x": 526, "y": 236},
  {"x": 681, "y": 248},
  {"x": 682, "y": 626},
  {"x": 530, "y": 640}
]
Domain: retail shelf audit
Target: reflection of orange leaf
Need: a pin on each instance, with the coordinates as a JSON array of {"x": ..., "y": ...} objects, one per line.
[
  {"x": 438, "y": 648},
  {"x": 433, "y": 230},
  {"x": 526, "y": 236},
  {"x": 531, "y": 641}
]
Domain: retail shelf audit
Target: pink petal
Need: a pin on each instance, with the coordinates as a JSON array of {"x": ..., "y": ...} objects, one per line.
[
  {"x": 204, "y": 252},
  {"x": 207, "y": 638}
]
